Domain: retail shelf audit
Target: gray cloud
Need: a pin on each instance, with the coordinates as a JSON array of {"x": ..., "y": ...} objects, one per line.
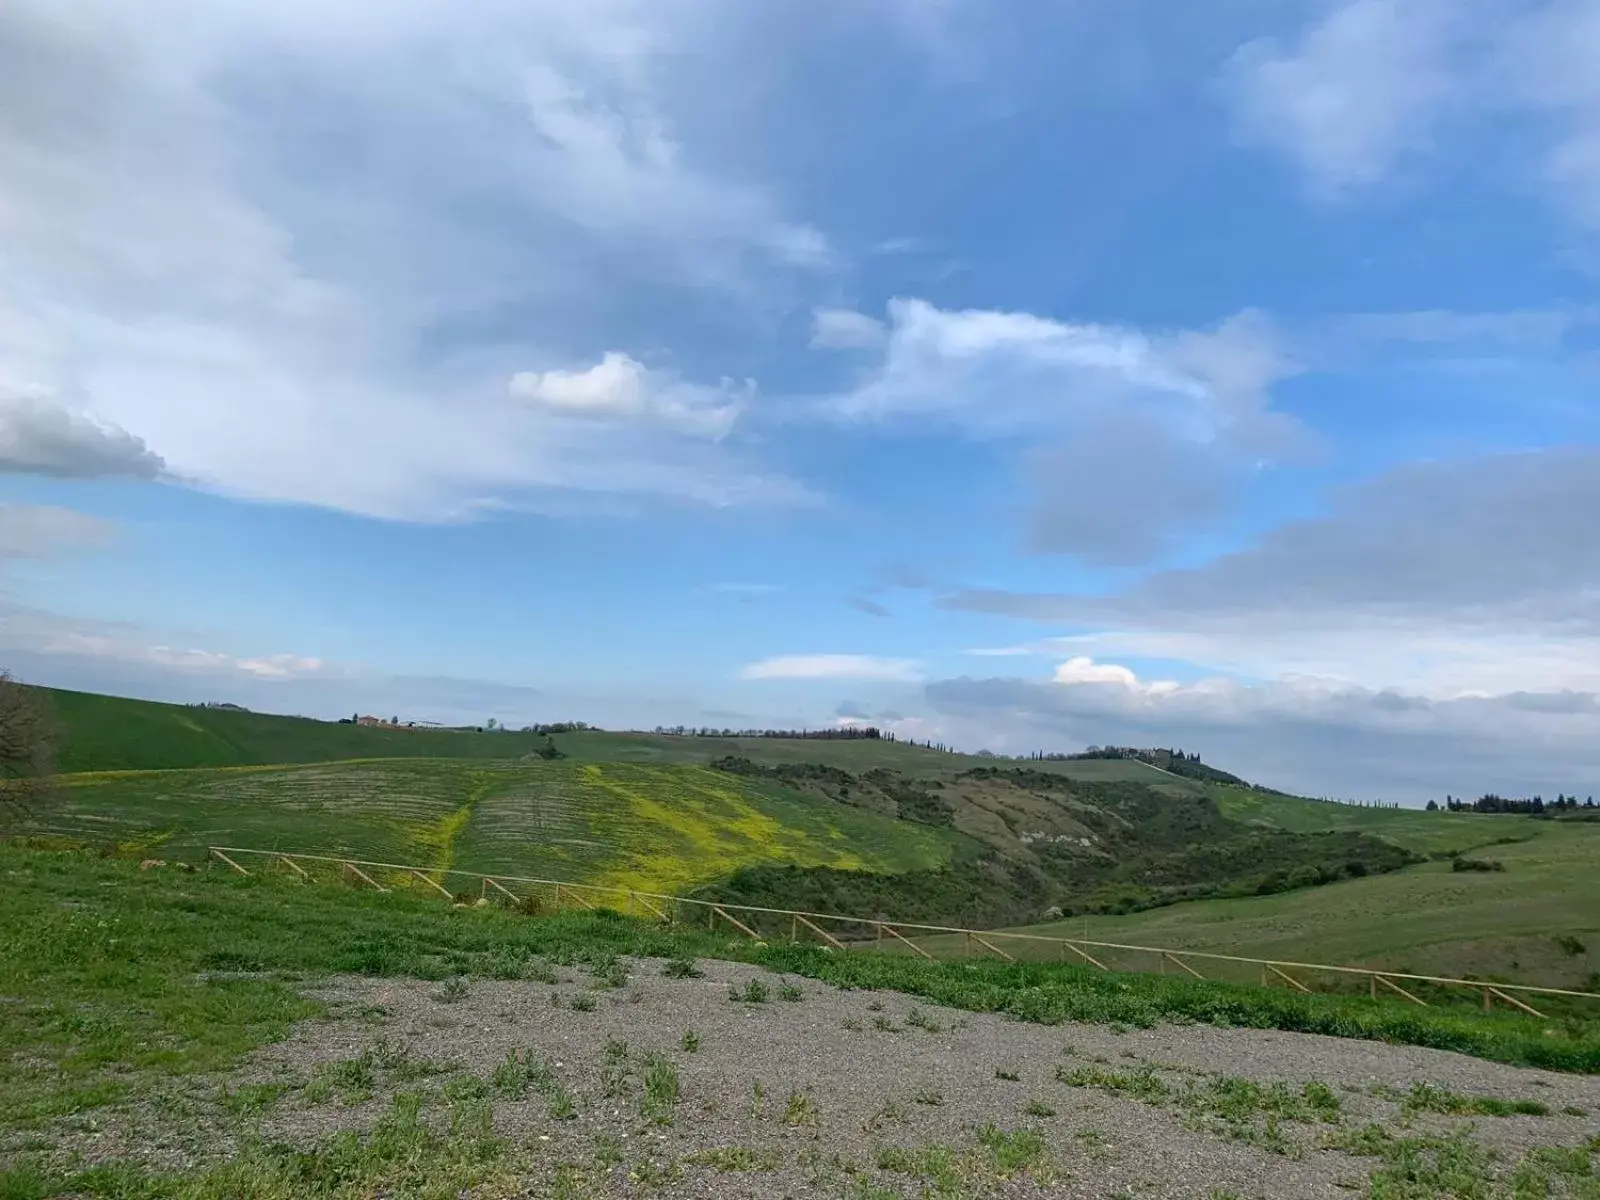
[
  {"x": 1122, "y": 491},
  {"x": 1499, "y": 538},
  {"x": 869, "y": 606},
  {"x": 1314, "y": 740},
  {"x": 41, "y": 438}
]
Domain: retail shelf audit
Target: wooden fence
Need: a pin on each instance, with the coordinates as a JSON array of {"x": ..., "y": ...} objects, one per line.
[{"x": 853, "y": 933}]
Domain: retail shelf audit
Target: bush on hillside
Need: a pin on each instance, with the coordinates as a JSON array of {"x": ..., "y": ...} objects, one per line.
[{"x": 1476, "y": 864}]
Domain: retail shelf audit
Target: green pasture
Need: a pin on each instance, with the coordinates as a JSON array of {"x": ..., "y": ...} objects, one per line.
[
  {"x": 1537, "y": 921},
  {"x": 658, "y": 828}
]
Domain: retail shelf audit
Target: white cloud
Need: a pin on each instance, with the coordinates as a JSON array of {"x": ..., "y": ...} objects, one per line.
[
  {"x": 197, "y": 257},
  {"x": 833, "y": 666},
  {"x": 1097, "y": 405},
  {"x": 38, "y": 531},
  {"x": 1357, "y": 92},
  {"x": 1551, "y": 63},
  {"x": 1083, "y": 670},
  {"x": 1372, "y": 84},
  {"x": 845, "y": 329},
  {"x": 190, "y": 659},
  {"x": 620, "y": 388},
  {"x": 999, "y": 373}
]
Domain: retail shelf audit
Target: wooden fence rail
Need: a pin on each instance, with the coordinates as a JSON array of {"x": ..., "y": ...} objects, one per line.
[{"x": 872, "y": 930}]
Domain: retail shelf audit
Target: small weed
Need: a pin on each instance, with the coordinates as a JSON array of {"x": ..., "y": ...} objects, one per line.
[
  {"x": 1570, "y": 945},
  {"x": 850, "y": 1023},
  {"x": 735, "y": 1158},
  {"x": 1012, "y": 1151},
  {"x": 661, "y": 1089},
  {"x": 691, "y": 1041},
  {"x": 753, "y": 992},
  {"x": 466, "y": 1087},
  {"x": 608, "y": 1151},
  {"x": 250, "y": 1098},
  {"x": 513, "y": 1077},
  {"x": 1143, "y": 1085},
  {"x": 1323, "y": 1099},
  {"x": 929, "y": 1096},
  {"x": 581, "y": 1002},
  {"x": 351, "y": 1079},
  {"x": 790, "y": 992},
  {"x": 800, "y": 1109},
  {"x": 937, "y": 1165},
  {"x": 562, "y": 1106},
  {"x": 569, "y": 1184},
  {"x": 921, "y": 1020},
  {"x": 1424, "y": 1097},
  {"x": 1038, "y": 1108},
  {"x": 452, "y": 991},
  {"x": 1094, "y": 1141},
  {"x": 539, "y": 971},
  {"x": 681, "y": 968},
  {"x": 884, "y": 1025},
  {"x": 875, "y": 1006},
  {"x": 1572, "y": 1110},
  {"x": 610, "y": 975},
  {"x": 758, "y": 1100},
  {"x": 615, "y": 1068},
  {"x": 1009, "y": 1074}
]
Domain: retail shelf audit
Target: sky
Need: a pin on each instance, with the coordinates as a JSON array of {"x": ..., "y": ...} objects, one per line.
[{"x": 1019, "y": 374}]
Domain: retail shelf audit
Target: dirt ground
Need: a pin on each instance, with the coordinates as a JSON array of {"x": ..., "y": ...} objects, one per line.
[{"x": 652, "y": 1085}]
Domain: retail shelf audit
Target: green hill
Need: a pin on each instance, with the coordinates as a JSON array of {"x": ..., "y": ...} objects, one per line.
[
  {"x": 1053, "y": 844},
  {"x": 115, "y": 733},
  {"x": 1536, "y": 921},
  {"x": 658, "y": 828}
]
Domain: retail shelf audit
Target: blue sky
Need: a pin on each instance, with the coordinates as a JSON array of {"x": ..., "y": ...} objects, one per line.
[{"x": 1015, "y": 374}]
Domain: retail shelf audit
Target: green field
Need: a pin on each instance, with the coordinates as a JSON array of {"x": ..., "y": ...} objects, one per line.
[
  {"x": 114, "y": 733},
  {"x": 661, "y": 828},
  {"x": 1425, "y": 832},
  {"x": 1426, "y": 919}
]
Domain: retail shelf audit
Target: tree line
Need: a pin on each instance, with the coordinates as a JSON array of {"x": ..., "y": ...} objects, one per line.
[
  {"x": 1533, "y": 806},
  {"x": 843, "y": 733}
]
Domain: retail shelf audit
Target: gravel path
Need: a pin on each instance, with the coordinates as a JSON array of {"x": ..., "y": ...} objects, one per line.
[{"x": 838, "y": 1093}]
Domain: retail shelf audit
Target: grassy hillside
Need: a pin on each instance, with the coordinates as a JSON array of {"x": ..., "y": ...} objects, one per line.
[
  {"x": 1538, "y": 921},
  {"x": 113, "y": 733},
  {"x": 1052, "y": 844},
  {"x": 1428, "y": 833},
  {"x": 661, "y": 828}
]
